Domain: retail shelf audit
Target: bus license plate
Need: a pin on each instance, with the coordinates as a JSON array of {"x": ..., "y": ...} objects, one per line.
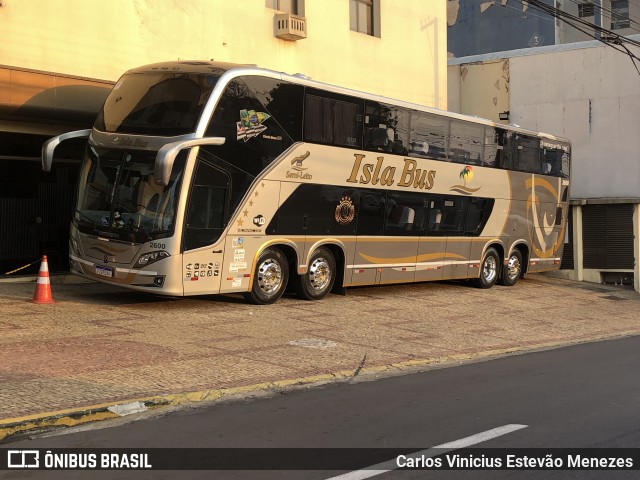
[{"x": 104, "y": 271}]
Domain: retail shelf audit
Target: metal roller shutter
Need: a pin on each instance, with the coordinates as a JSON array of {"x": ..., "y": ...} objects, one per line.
[{"x": 607, "y": 233}]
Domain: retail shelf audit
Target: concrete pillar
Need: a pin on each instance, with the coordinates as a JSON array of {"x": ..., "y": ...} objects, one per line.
[
  {"x": 577, "y": 242},
  {"x": 636, "y": 247}
]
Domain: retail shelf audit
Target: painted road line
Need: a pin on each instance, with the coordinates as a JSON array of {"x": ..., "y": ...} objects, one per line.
[{"x": 390, "y": 465}]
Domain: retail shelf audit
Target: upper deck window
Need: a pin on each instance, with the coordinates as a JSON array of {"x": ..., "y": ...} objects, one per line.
[
  {"x": 156, "y": 103},
  {"x": 332, "y": 119}
]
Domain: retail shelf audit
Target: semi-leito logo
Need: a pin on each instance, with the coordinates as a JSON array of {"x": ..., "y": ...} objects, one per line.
[
  {"x": 345, "y": 211},
  {"x": 379, "y": 173},
  {"x": 297, "y": 165}
]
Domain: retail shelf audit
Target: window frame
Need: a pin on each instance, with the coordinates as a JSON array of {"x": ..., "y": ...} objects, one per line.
[
  {"x": 372, "y": 27},
  {"x": 620, "y": 18},
  {"x": 294, "y": 7},
  {"x": 586, "y": 9}
]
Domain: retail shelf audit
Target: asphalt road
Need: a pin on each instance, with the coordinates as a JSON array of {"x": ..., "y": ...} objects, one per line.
[{"x": 584, "y": 396}]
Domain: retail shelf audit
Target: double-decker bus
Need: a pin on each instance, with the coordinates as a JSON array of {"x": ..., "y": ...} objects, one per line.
[{"x": 206, "y": 178}]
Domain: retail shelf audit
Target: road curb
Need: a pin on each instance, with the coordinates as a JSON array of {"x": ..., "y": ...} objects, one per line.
[{"x": 82, "y": 415}]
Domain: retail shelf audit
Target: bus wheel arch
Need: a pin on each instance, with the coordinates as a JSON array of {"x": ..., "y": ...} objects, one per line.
[
  {"x": 489, "y": 267},
  {"x": 321, "y": 274},
  {"x": 270, "y": 276}
]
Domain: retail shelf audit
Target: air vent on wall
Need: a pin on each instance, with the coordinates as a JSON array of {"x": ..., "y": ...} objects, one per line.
[{"x": 290, "y": 27}]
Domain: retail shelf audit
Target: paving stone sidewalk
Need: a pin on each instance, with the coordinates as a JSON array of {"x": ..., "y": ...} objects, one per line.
[{"x": 99, "y": 344}]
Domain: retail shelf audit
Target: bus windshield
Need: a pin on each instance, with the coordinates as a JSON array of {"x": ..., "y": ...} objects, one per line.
[
  {"x": 118, "y": 197},
  {"x": 156, "y": 103}
]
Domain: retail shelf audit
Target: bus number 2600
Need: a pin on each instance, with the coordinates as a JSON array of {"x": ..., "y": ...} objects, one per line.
[{"x": 161, "y": 246}]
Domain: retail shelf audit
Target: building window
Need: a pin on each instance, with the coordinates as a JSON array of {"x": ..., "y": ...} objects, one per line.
[
  {"x": 364, "y": 16},
  {"x": 620, "y": 14},
  {"x": 295, "y": 7},
  {"x": 586, "y": 9}
]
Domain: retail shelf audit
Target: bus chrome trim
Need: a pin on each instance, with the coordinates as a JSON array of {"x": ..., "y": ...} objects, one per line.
[
  {"x": 416, "y": 265},
  {"x": 135, "y": 142},
  {"x": 168, "y": 153},
  {"x": 116, "y": 269},
  {"x": 81, "y": 260},
  {"x": 49, "y": 147},
  {"x": 137, "y": 272}
]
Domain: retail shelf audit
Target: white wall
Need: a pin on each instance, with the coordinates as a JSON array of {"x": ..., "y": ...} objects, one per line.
[{"x": 592, "y": 97}]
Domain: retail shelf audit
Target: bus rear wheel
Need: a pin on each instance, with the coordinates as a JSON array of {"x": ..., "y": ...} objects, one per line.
[
  {"x": 269, "y": 278},
  {"x": 513, "y": 270},
  {"x": 489, "y": 269},
  {"x": 318, "y": 281}
]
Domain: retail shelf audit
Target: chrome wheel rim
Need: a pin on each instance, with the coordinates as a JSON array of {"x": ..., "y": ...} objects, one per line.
[
  {"x": 319, "y": 274},
  {"x": 513, "y": 268},
  {"x": 489, "y": 269},
  {"x": 269, "y": 276}
]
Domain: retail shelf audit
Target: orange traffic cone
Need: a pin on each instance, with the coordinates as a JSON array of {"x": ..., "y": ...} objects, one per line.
[{"x": 43, "y": 287}]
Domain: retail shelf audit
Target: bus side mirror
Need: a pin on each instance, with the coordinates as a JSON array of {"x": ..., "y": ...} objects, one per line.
[
  {"x": 49, "y": 147},
  {"x": 167, "y": 155}
]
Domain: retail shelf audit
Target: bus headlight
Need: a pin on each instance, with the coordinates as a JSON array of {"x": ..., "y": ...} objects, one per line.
[{"x": 151, "y": 257}]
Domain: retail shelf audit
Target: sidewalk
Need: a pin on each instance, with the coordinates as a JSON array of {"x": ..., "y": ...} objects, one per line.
[{"x": 100, "y": 346}]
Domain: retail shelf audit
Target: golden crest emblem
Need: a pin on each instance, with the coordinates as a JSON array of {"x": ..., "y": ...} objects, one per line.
[{"x": 345, "y": 211}]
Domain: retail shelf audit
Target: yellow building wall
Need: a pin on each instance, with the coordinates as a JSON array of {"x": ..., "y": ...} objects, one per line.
[{"x": 101, "y": 39}]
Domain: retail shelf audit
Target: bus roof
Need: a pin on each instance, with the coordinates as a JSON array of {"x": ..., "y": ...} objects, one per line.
[{"x": 233, "y": 70}]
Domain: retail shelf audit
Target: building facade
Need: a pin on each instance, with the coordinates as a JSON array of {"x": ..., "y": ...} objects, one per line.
[
  {"x": 590, "y": 94},
  {"x": 58, "y": 61},
  {"x": 479, "y": 27}
]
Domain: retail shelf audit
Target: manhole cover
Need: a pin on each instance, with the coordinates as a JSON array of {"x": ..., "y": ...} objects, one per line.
[{"x": 313, "y": 343}]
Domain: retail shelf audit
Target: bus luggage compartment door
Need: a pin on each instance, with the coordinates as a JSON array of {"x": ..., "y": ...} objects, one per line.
[{"x": 202, "y": 270}]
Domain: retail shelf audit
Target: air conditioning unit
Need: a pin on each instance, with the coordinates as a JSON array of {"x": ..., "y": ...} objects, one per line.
[{"x": 289, "y": 27}]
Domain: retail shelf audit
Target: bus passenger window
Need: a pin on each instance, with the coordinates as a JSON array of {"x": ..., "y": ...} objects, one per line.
[
  {"x": 446, "y": 215},
  {"x": 435, "y": 217},
  {"x": 332, "y": 119},
  {"x": 507, "y": 152},
  {"x": 376, "y": 139},
  {"x": 478, "y": 211},
  {"x": 371, "y": 212},
  {"x": 386, "y": 128},
  {"x": 528, "y": 159},
  {"x": 405, "y": 213},
  {"x": 490, "y": 148},
  {"x": 554, "y": 159},
  {"x": 466, "y": 142},
  {"x": 430, "y": 131}
]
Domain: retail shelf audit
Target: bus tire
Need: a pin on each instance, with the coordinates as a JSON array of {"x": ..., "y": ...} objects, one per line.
[
  {"x": 512, "y": 271},
  {"x": 489, "y": 269},
  {"x": 269, "y": 278},
  {"x": 318, "y": 281}
]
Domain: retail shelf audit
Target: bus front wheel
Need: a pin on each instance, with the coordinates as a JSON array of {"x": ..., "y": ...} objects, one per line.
[
  {"x": 269, "y": 278},
  {"x": 318, "y": 281},
  {"x": 512, "y": 270},
  {"x": 489, "y": 269}
]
